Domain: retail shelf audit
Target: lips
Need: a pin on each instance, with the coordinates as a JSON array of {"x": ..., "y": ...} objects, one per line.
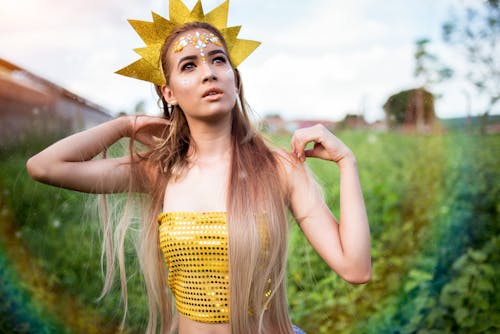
[{"x": 212, "y": 92}]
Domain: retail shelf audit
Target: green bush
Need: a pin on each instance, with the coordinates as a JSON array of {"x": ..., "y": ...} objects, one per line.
[{"x": 432, "y": 203}]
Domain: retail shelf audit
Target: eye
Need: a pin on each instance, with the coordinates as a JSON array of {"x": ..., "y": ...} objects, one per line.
[
  {"x": 188, "y": 66},
  {"x": 219, "y": 60}
]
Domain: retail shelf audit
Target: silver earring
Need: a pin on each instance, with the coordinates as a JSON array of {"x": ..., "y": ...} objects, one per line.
[{"x": 170, "y": 108}]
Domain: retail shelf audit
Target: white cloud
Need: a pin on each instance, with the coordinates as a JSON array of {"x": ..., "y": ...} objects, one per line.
[
  {"x": 319, "y": 58},
  {"x": 334, "y": 63}
]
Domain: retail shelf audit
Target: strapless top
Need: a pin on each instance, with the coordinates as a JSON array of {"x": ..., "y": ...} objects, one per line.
[{"x": 195, "y": 246}]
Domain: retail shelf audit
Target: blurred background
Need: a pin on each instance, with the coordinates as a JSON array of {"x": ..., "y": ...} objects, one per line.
[{"x": 412, "y": 87}]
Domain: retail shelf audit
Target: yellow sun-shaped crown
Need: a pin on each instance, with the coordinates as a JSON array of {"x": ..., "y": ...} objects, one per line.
[{"x": 148, "y": 68}]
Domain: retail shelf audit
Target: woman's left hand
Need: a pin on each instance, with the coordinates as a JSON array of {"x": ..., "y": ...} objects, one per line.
[
  {"x": 344, "y": 245},
  {"x": 326, "y": 145}
]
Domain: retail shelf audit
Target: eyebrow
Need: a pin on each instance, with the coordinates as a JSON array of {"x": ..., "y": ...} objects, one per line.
[
  {"x": 214, "y": 52},
  {"x": 193, "y": 57}
]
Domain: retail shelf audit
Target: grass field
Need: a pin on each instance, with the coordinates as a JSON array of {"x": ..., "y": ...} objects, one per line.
[{"x": 433, "y": 205}]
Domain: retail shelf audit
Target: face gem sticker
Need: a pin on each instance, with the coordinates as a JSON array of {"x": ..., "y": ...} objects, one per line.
[{"x": 199, "y": 41}]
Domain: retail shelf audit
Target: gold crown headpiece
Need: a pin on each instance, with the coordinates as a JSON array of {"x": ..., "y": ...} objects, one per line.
[{"x": 148, "y": 68}]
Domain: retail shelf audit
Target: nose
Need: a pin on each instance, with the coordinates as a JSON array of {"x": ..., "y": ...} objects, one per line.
[{"x": 208, "y": 72}]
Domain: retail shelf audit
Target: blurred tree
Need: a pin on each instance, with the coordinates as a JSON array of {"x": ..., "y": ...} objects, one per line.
[
  {"x": 475, "y": 30},
  {"x": 429, "y": 70},
  {"x": 414, "y": 108},
  {"x": 402, "y": 109}
]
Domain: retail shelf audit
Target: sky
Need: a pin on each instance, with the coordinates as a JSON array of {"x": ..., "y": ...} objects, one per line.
[{"x": 319, "y": 59}]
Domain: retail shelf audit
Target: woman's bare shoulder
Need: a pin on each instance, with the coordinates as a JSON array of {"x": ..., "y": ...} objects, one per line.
[
  {"x": 291, "y": 169},
  {"x": 290, "y": 164}
]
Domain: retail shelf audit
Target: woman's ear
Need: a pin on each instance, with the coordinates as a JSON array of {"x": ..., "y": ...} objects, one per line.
[
  {"x": 168, "y": 95},
  {"x": 237, "y": 80}
]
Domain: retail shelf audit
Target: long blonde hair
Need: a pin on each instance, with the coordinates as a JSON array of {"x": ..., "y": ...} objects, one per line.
[{"x": 256, "y": 211}]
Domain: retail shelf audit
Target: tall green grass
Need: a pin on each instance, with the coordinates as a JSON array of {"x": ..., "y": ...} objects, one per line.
[
  {"x": 433, "y": 207},
  {"x": 51, "y": 237}
]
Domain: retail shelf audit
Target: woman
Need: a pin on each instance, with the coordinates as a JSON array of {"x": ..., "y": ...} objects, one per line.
[{"x": 223, "y": 194}]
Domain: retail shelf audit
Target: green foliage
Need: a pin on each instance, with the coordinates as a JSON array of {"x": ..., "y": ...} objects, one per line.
[
  {"x": 430, "y": 200},
  {"x": 61, "y": 232},
  {"x": 17, "y": 314},
  {"x": 473, "y": 29},
  {"x": 466, "y": 302},
  {"x": 428, "y": 69},
  {"x": 432, "y": 203}
]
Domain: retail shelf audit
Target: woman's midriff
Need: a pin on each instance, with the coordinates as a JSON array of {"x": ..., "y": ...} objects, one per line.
[{"x": 187, "y": 326}]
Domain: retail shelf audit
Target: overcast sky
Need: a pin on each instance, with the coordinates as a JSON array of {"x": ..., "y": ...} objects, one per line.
[{"x": 319, "y": 59}]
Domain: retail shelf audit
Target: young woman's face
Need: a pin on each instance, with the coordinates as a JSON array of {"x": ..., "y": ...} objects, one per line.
[{"x": 202, "y": 81}]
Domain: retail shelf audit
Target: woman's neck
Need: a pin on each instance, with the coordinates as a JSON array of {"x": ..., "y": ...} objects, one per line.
[{"x": 212, "y": 141}]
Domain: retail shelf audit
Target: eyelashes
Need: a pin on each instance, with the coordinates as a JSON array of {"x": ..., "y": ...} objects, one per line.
[
  {"x": 191, "y": 65},
  {"x": 188, "y": 66},
  {"x": 220, "y": 59}
]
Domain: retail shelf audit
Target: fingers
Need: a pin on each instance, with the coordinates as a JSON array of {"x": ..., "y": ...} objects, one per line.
[
  {"x": 318, "y": 151},
  {"x": 302, "y": 137},
  {"x": 151, "y": 125},
  {"x": 311, "y": 153},
  {"x": 144, "y": 121},
  {"x": 148, "y": 129}
]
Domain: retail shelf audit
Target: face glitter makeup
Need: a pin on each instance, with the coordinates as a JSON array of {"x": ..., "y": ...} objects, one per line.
[
  {"x": 199, "y": 41},
  {"x": 154, "y": 34}
]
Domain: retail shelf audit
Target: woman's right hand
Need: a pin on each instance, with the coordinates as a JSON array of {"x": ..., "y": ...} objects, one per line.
[{"x": 146, "y": 129}]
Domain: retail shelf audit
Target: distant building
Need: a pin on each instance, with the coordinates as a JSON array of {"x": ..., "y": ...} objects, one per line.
[
  {"x": 353, "y": 121},
  {"x": 30, "y": 104},
  {"x": 304, "y": 123},
  {"x": 277, "y": 125},
  {"x": 379, "y": 125}
]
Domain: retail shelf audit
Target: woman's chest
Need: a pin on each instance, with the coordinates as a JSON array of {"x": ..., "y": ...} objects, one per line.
[{"x": 200, "y": 189}]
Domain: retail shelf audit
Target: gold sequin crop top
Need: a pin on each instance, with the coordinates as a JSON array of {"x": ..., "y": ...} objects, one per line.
[{"x": 195, "y": 245}]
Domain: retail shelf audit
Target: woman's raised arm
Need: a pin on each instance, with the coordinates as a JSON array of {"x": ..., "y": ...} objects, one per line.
[
  {"x": 69, "y": 163},
  {"x": 344, "y": 245}
]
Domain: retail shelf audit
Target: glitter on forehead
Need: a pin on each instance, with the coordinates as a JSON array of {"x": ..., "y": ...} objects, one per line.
[{"x": 199, "y": 41}]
